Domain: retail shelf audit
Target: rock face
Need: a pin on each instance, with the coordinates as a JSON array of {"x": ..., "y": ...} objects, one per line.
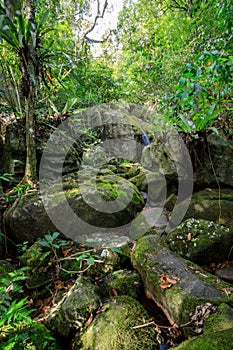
[
  {"x": 74, "y": 309},
  {"x": 113, "y": 329},
  {"x": 215, "y": 162},
  {"x": 171, "y": 282},
  {"x": 27, "y": 219},
  {"x": 201, "y": 241},
  {"x": 212, "y": 204}
]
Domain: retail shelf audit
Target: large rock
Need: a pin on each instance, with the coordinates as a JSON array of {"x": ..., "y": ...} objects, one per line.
[
  {"x": 74, "y": 309},
  {"x": 214, "y": 162},
  {"x": 113, "y": 328},
  {"x": 27, "y": 219},
  {"x": 212, "y": 204},
  {"x": 173, "y": 283},
  {"x": 201, "y": 241},
  {"x": 219, "y": 340}
]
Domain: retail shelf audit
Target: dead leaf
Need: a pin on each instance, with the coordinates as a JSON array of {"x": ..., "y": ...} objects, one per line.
[
  {"x": 90, "y": 319},
  {"x": 166, "y": 281},
  {"x": 227, "y": 290},
  {"x": 113, "y": 293},
  {"x": 59, "y": 284}
]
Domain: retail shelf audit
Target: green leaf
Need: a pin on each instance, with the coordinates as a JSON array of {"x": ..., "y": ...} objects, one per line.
[
  {"x": 91, "y": 261},
  {"x": 114, "y": 249}
]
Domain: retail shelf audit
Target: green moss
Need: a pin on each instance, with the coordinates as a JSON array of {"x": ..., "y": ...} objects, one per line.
[
  {"x": 218, "y": 341},
  {"x": 112, "y": 329},
  {"x": 221, "y": 320},
  {"x": 199, "y": 241},
  {"x": 124, "y": 283}
]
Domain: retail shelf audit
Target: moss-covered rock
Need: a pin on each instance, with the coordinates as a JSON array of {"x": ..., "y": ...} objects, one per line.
[
  {"x": 221, "y": 320},
  {"x": 122, "y": 282},
  {"x": 113, "y": 329},
  {"x": 108, "y": 262},
  {"x": 74, "y": 309},
  {"x": 104, "y": 202},
  {"x": 218, "y": 340},
  {"x": 201, "y": 241},
  {"x": 212, "y": 204},
  {"x": 40, "y": 271},
  {"x": 171, "y": 282}
]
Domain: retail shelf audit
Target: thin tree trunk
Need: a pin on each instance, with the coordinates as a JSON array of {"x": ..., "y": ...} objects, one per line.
[{"x": 28, "y": 62}]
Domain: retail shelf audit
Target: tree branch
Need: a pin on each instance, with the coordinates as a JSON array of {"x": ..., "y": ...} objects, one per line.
[{"x": 99, "y": 15}]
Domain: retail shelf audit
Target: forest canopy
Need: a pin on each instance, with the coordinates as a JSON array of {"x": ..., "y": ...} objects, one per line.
[{"x": 175, "y": 55}]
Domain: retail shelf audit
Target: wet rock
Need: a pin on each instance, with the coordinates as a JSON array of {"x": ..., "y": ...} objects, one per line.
[
  {"x": 201, "y": 241},
  {"x": 212, "y": 204},
  {"x": 113, "y": 328},
  {"x": 226, "y": 273},
  {"x": 74, "y": 309},
  {"x": 174, "y": 285},
  {"x": 216, "y": 341}
]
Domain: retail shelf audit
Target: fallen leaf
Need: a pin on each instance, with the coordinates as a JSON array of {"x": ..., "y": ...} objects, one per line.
[
  {"x": 59, "y": 284},
  {"x": 90, "y": 319},
  {"x": 113, "y": 293},
  {"x": 227, "y": 290},
  {"x": 166, "y": 281}
]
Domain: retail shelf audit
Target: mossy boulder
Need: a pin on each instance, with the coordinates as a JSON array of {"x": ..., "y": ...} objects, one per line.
[
  {"x": 221, "y": 320},
  {"x": 122, "y": 282},
  {"x": 175, "y": 286},
  {"x": 103, "y": 202},
  {"x": 108, "y": 262},
  {"x": 40, "y": 271},
  {"x": 201, "y": 241},
  {"x": 71, "y": 313},
  {"x": 113, "y": 328},
  {"x": 212, "y": 204},
  {"x": 218, "y": 340}
]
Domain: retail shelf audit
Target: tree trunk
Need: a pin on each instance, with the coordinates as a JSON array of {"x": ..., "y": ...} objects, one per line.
[{"x": 28, "y": 62}]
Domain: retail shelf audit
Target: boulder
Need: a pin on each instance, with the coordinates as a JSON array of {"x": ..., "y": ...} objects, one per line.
[
  {"x": 212, "y": 204},
  {"x": 216, "y": 341},
  {"x": 215, "y": 165},
  {"x": 221, "y": 320},
  {"x": 122, "y": 282},
  {"x": 113, "y": 328},
  {"x": 174, "y": 284},
  {"x": 201, "y": 241},
  {"x": 98, "y": 203},
  {"x": 71, "y": 313}
]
